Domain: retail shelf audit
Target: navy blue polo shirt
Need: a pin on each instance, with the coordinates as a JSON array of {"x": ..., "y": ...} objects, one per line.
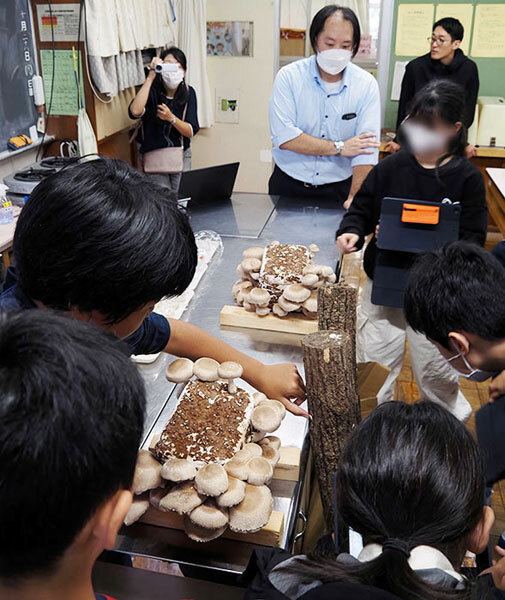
[{"x": 151, "y": 337}]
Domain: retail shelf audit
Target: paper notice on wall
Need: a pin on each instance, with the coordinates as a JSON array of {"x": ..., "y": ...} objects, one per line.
[
  {"x": 413, "y": 29},
  {"x": 464, "y": 14},
  {"x": 60, "y": 20},
  {"x": 398, "y": 73},
  {"x": 227, "y": 105},
  {"x": 488, "y": 31},
  {"x": 365, "y": 46},
  {"x": 64, "y": 99}
]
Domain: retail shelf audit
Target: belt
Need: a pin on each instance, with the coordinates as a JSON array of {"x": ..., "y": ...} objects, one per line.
[{"x": 312, "y": 186}]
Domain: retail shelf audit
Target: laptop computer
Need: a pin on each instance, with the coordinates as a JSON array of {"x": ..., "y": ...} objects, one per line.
[
  {"x": 210, "y": 184},
  {"x": 407, "y": 228}
]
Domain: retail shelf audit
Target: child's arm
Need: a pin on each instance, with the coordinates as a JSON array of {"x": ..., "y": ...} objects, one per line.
[
  {"x": 497, "y": 571},
  {"x": 281, "y": 382},
  {"x": 360, "y": 220}
]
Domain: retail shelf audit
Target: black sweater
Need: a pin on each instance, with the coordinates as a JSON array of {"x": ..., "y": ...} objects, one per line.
[
  {"x": 401, "y": 176},
  {"x": 156, "y": 133},
  {"x": 421, "y": 70}
]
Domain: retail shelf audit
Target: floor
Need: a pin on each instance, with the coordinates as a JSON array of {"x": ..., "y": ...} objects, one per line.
[{"x": 406, "y": 388}]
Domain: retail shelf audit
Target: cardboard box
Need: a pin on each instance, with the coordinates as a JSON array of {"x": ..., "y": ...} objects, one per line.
[
  {"x": 292, "y": 42},
  {"x": 371, "y": 377}
]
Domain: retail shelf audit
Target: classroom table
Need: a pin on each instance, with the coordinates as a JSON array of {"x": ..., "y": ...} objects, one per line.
[
  {"x": 140, "y": 584},
  {"x": 496, "y": 197},
  {"x": 273, "y": 218}
]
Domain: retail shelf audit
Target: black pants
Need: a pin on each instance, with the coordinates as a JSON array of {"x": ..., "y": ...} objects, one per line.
[{"x": 281, "y": 184}]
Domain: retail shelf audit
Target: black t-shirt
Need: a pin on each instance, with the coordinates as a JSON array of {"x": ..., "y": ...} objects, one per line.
[
  {"x": 156, "y": 133},
  {"x": 401, "y": 176},
  {"x": 423, "y": 69}
]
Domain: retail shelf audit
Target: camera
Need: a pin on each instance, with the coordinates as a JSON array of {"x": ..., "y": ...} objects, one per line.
[{"x": 166, "y": 67}]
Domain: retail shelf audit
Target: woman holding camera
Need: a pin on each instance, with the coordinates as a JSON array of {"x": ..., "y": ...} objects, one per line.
[{"x": 168, "y": 109}]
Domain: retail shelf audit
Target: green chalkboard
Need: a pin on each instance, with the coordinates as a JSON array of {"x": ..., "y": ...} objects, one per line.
[{"x": 491, "y": 70}]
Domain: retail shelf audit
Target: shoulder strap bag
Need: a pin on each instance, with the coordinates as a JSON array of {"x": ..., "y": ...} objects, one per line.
[{"x": 166, "y": 160}]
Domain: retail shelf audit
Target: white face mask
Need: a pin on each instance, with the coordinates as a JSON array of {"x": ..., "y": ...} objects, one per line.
[
  {"x": 474, "y": 374},
  {"x": 172, "y": 78},
  {"x": 422, "y": 140},
  {"x": 333, "y": 61}
]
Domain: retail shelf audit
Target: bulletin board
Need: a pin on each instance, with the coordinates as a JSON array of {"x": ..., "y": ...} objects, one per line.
[{"x": 484, "y": 42}]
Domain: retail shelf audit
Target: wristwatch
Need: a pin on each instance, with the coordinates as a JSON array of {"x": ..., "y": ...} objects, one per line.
[
  {"x": 338, "y": 147},
  {"x": 173, "y": 121}
]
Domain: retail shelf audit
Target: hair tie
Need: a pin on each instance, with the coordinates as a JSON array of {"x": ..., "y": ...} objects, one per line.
[{"x": 398, "y": 545}]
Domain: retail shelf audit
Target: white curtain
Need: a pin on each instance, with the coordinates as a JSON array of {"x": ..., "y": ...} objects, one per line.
[
  {"x": 117, "y": 31},
  {"x": 360, "y": 7},
  {"x": 191, "y": 15},
  {"x": 293, "y": 14}
]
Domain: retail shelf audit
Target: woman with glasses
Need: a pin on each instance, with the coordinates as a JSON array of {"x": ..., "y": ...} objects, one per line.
[{"x": 444, "y": 61}]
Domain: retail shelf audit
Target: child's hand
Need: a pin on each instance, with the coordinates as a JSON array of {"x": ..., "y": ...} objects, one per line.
[
  {"x": 346, "y": 242},
  {"x": 497, "y": 571},
  {"x": 283, "y": 382},
  {"x": 497, "y": 387}
]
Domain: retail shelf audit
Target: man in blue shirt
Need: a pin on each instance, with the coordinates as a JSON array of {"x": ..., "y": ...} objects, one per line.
[
  {"x": 325, "y": 115},
  {"x": 102, "y": 243}
]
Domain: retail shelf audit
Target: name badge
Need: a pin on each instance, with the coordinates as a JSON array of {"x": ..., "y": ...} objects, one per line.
[{"x": 349, "y": 116}]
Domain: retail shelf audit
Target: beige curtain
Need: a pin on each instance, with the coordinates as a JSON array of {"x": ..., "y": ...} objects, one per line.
[
  {"x": 192, "y": 19},
  {"x": 360, "y": 7}
]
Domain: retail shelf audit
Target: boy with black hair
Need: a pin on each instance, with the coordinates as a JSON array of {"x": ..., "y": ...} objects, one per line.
[
  {"x": 101, "y": 242},
  {"x": 444, "y": 61},
  {"x": 72, "y": 413},
  {"x": 455, "y": 297}
]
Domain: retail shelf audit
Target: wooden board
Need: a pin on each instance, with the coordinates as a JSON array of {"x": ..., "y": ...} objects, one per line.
[
  {"x": 270, "y": 535},
  {"x": 287, "y": 469},
  {"x": 236, "y": 316}
]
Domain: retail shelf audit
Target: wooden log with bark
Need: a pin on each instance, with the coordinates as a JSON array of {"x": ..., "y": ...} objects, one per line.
[
  {"x": 333, "y": 401},
  {"x": 336, "y": 308}
]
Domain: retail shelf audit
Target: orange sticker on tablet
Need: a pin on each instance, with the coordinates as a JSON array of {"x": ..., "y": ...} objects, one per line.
[{"x": 420, "y": 213}]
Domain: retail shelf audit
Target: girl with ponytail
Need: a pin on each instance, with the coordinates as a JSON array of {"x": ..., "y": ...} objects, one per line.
[{"x": 411, "y": 483}]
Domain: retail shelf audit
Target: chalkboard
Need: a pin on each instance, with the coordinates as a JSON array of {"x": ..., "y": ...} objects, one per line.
[
  {"x": 491, "y": 70},
  {"x": 17, "y": 67}
]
